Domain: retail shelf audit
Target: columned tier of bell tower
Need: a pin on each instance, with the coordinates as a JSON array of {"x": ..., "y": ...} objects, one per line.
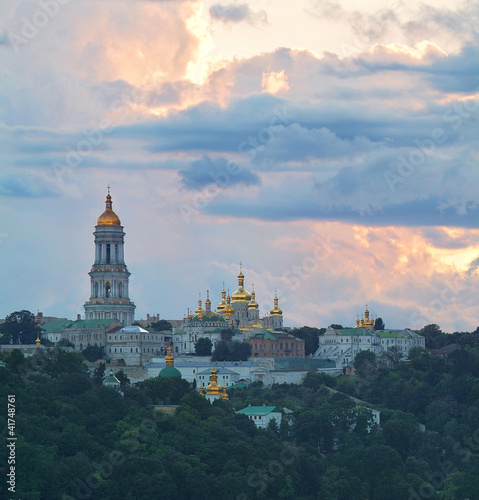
[{"x": 109, "y": 276}]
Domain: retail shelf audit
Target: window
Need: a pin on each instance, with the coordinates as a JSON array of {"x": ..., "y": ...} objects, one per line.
[
  {"x": 107, "y": 290},
  {"x": 120, "y": 290},
  {"x": 108, "y": 253}
]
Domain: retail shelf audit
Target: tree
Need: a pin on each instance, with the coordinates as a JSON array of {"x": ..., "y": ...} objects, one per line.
[
  {"x": 122, "y": 377},
  {"x": 365, "y": 364},
  {"x": 64, "y": 343},
  {"x": 231, "y": 351},
  {"x": 433, "y": 335},
  {"x": 336, "y": 326},
  {"x": 203, "y": 346},
  {"x": 161, "y": 325},
  {"x": 93, "y": 352},
  {"x": 99, "y": 373},
  {"x": 379, "y": 324},
  {"x": 19, "y": 327},
  {"x": 316, "y": 379},
  {"x": 310, "y": 335},
  {"x": 227, "y": 334},
  {"x": 392, "y": 356}
]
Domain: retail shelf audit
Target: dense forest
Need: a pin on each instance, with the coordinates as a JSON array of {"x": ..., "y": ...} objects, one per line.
[{"x": 79, "y": 439}]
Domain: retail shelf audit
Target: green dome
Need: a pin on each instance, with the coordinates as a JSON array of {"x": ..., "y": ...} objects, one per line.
[{"x": 170, "y": 372}]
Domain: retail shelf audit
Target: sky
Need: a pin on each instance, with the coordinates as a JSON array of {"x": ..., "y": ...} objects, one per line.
[{"x": 331, "y": 148}]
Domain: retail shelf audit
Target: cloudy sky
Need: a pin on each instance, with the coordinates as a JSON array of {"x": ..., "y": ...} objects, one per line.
[{"x": 331, "y": 148}]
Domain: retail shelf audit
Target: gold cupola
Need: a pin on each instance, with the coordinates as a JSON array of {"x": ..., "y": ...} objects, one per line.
[
  {"x": 213, "y": 387},
  {"x": 108, "y": 217},
  {"x": 241, "y": 295},
  {"x": 224, "y": 395},
  {"x": 222, "y": 304},
  {"x": 199, "y": 311},
  {"x": 228, "y": 311},
  {"x": 252, "y": 304},
  {"x": 208, "y": 301},
  {"x": 276, "y": 311},
  {"x": 368, "y": 322}
]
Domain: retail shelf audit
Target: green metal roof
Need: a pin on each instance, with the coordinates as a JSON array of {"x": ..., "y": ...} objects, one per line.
[
  {"x": 111, "y": 379},
  {"x": 391, "y": 335},
  {"x": 268, "y": 335},
  {"x": 90, "y": 323},
  {"x": 56, "y": 326},
  {"x": 259, "y": 410},
  {"x": 355, "y": 331}
]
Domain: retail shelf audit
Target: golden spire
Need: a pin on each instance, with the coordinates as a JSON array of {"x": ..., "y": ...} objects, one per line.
[
  {"x": 38, "y": 329},
  {"x": 222, "y": 304},
  {"x": 213, "y": 387},
  {"x": 200, "y": 390},
  {"x": 276, "y": 311},
  {"x": 188, "y": 317},
  {"x": 241, "y": 294},
  {"x": 252, "y": 304},
  {"x": 225, "y": 394},
  {"x": 108, "y": 217},
  {"x": 208, "y": 301},
  {"x": 200, "y": 310},
  {"x": 357, "y": 322},
  {"x": 228, "y": 311},
  {"x": 367, "y": 321},
  {"x": 169, "y": 360}
]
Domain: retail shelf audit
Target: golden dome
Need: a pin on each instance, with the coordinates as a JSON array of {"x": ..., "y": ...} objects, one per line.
[
  {"x": 213, "y": 387},
  {"x": 276, "y": 311},
  {"x": 252, "y": 304},
  {"x": 108, "y": 217},
  {"x": 222, "y": 304},
  {"x": 208, "y": 301},
  {"x": 169, "y": 359},
  {"x": 241, "y": 295},
  {"x": 199, "y": 311},
  {"x": 225, "y": 394}
]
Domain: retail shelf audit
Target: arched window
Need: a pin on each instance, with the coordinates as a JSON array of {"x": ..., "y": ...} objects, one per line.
[
  {"x": 107, "y": 290},
  {"x": 108, "y": 253},
  {"x": 120, "y": 290},
  {"x": 96, "y": 289}
]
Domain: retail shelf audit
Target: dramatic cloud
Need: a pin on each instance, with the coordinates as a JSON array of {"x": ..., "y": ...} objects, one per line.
[
  {"x": 336, "y": 155},
  {"x": 217, "y": 171},
  {"x": 235, "y": 13}
]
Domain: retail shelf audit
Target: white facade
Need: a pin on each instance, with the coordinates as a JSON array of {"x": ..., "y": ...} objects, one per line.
[
  {"x": 262, "y": 415},
  {"x": 343, "y": 345},
  {"x": 191, "y": 366},
  {"x": 225, "y": 377},
  {"x": 134, "y": 345}
]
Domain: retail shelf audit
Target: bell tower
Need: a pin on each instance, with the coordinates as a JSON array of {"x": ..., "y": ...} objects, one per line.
[{"x": 109, "y": 276}]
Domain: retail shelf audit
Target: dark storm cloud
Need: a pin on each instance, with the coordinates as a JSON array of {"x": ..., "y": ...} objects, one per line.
[
  {"x": 219, "y": 171},
  {"x": 236, "y": 13}
]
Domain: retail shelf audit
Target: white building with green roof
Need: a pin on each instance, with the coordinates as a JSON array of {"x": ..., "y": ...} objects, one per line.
[
  {"x": 342, "y": 345},
  {"x": 262, "y": 415}
]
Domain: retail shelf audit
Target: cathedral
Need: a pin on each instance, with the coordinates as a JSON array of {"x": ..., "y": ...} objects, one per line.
[
  {"x": 109, "y": 275},
  {"x": 238, "y": 311}
]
